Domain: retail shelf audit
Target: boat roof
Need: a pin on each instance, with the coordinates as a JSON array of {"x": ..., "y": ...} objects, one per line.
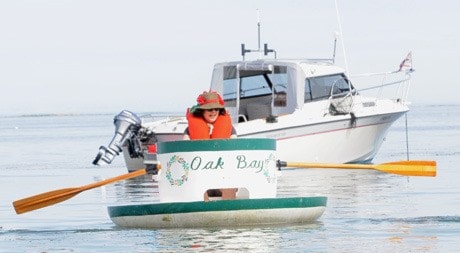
[{"x": 308, "y": 67}]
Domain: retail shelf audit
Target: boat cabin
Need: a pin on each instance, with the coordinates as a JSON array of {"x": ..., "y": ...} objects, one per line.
[{"x": 265, "y": 89}]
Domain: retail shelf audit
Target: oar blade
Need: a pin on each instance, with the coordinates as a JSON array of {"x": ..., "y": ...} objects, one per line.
[
  {"x": 410, "y": 168},
  {"x": 44, "y": 199},
  {"x": 53, "y": 197}
]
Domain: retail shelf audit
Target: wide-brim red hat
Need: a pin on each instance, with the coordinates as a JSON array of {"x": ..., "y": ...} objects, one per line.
[{"x": 210, "y": 100}]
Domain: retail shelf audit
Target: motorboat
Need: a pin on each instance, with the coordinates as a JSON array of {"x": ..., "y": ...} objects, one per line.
[{"x": 310, "y": 107}]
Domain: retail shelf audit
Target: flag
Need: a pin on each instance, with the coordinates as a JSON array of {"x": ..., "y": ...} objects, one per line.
[{"x": 406, "y": 63}]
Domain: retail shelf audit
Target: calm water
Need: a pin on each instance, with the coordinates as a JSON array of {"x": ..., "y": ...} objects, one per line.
[{"x": 367, "y": 210}]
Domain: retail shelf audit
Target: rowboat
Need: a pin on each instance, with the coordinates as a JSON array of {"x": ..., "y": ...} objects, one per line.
[
  {"x": 309, "y": 106},
  {"x": 190, "y": 169}
]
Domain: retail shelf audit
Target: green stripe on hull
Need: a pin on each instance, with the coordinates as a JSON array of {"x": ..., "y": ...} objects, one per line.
[
  {"x": 216, "y": 206},
  {"x": 216, "y": 145}
]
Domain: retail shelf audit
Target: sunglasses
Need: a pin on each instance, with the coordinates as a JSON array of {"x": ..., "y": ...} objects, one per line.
[{"x": 212, "y": 109}]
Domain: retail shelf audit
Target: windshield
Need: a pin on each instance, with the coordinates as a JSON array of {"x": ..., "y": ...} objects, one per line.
[
  {"x": 255, "y": 83},
  {"x": 322, "y": 87}
]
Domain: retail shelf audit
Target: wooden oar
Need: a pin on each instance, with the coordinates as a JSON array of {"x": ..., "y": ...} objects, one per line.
[
  {"x": 406, "y": 168},
  {"x": 53, "y": 197}
]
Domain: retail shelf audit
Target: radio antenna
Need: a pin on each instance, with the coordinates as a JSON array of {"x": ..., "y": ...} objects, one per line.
[
  {"x": 259, "y": 50},
  {"x": 341, "y": 37},
  {"x": 258, "y": 30}
]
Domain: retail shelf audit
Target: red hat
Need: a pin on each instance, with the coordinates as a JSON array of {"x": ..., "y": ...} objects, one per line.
[{"x": 210, "y": 100}]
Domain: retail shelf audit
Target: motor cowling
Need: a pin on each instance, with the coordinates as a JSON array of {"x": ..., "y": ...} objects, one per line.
[{"x": 126, "y": 124}]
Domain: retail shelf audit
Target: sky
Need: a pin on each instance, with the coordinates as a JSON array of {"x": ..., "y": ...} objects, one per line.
[{"x": 104, "y": 56}]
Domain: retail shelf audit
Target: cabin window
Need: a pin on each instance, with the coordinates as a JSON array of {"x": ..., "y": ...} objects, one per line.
[
  {"x": 319, "y": 88},
  {"x": 255, "y": 83},
  {"x": 280, "y": 83},
  {"x": 229, "y": 83},
  {"x": 252, "y": 86}
]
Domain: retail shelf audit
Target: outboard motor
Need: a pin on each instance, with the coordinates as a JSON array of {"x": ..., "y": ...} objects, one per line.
[{"x": 126, "y": 124}]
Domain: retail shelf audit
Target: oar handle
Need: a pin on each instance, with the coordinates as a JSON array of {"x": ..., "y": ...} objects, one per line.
[
  {"x": 153, "y": 170},
  {"x": 133, "y": 174}
]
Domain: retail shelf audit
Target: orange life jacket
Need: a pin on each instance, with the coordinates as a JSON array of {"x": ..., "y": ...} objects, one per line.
[{"x": 198, "y": 129}]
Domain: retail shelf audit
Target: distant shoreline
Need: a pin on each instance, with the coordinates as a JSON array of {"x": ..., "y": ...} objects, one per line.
[
  {"x": 159, "y": 113},
  {"x": 39, "y": 115}
]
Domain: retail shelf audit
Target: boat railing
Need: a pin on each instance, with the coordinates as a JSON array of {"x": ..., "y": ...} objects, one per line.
[{"x": 394, "y": 85}]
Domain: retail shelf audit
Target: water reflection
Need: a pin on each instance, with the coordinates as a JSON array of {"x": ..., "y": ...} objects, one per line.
[
  {"x": 350, "y": 192},
  {"x": 250, "y": 239},
  {"x": 139, "y": 189}
]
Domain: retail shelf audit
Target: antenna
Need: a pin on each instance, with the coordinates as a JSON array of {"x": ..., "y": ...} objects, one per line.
[
  {"x": 336, "y": 34},
  {"x": 341, "y": 37},
  {"x": 244, "y": 50},
  {"x": 258, "y": 30},
  {"x": 266, "y": 49}
]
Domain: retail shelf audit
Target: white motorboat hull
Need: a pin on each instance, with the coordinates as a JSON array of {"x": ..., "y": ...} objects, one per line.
[{"x": 333, "y": 140}]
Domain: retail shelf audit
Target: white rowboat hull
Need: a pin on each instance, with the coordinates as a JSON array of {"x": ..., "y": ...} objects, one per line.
[{"x": 225, "y": 213}]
